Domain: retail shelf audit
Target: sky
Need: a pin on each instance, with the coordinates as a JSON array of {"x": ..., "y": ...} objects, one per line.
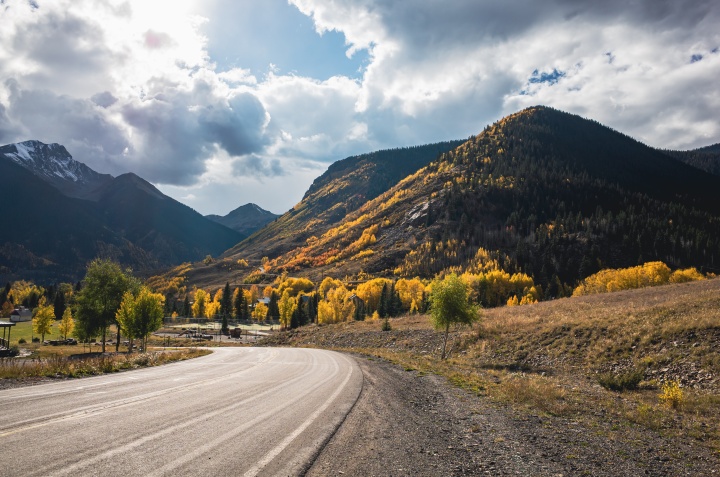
[{"x": 224, "y": 102}]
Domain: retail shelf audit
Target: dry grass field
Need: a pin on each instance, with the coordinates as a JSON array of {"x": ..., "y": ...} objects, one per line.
[{"x": 635, "y": 361}]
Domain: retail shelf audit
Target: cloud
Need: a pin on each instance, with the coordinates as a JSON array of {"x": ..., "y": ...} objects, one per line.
[
  {"x": 123, "y": 96},
  {"x": 129, "y": 85},
  {"x": 427, "y": 54},
  {"x": 253, "y": 166}
]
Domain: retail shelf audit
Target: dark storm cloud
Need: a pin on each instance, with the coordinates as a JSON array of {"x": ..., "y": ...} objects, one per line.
[
  {"x": 58, "y": 118},
  {"x": 430, "y": 23},
  {"x": 104, "y": 99},
  {"x": 255, "y": 166},
  {"x": 238, "y": 126},
  {"x": 68, "y": 50},
  {"x": 178, "y": 130}
]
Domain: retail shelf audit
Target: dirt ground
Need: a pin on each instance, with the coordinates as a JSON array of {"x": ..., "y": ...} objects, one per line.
[{"x": 409, "y": 424}]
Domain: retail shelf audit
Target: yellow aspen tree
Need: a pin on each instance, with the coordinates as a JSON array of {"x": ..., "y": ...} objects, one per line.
[
  {"x": 287, "y": 306},
  {"x": 43, "y": 320},
  {"x": 260, "y": 312},
  {"x": 67, "y": 323},
  {"x": 201, "y": 301}
]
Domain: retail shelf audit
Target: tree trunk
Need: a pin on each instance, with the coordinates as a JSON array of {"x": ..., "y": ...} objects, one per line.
[
  {"x": 447, "y": 332},
  {"x": 117, "y": 341},
  {"x": 103, "y": 339}
]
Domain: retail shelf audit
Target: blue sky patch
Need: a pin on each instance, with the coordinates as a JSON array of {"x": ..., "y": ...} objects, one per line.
[
  {"x": 542, "y": 77},
  {"x": 695, "y": 58}
]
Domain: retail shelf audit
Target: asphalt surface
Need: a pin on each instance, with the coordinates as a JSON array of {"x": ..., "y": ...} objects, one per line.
[{"x": 238, "y": 411}]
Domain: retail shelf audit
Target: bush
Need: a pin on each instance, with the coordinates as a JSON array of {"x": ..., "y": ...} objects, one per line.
[
  {"x": 672, "y": 394},
  {"x": 386, "y": 325},
  {"x": 621, "y": 382},
  {"x": 36, "y": 339},
  {"x": 22, "y": 341}
]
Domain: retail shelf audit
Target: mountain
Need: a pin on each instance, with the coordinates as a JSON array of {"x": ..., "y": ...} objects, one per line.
[
  {"x": 47, "y": 236},
  {"x": 544, "y": 192},
  {"x": 246, "y": 219},
  {"x": 347, "y": 185},
  {"x": 50, "y": 234},
  {"x": 706, "y": 158},
  {"x": 172, "y": 231},
  {"x": 53, "y": 164}
]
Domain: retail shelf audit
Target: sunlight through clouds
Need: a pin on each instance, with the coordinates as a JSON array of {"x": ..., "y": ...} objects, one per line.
[{"x": 194, "y": 95}]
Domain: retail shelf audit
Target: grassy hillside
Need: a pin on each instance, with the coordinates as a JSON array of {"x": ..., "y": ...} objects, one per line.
[{"x": 550, "y": 358}]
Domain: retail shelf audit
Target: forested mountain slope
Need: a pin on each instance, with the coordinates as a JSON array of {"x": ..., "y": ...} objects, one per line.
[
  {"x": 345, "y": 186},
  {"x": 541, "y": 191},
  {"x": 705, "y": 158},
  {"x": 172, "y": 231},
  {"x": 47, "y": 236}
]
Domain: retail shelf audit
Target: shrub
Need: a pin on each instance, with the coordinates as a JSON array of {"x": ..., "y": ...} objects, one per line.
[
  {"x": 672, "y": 394},
  {"x": 621, "y": 382},
  {"x": 22, "y": 341},
  {"x": 386, "y": 325}
]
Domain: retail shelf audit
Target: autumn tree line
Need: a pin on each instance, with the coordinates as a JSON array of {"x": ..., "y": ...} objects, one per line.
[
  {"x": 108, "y": 296},
  {"x": 111, "y": 297}
]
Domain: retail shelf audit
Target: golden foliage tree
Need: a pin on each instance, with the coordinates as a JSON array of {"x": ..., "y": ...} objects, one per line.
[
  {"x": 260, "y": 312},
  {"x": 646, "y": 275},
  {"x": 201, "y": 300},
  {"x": 67, "y": 323},
  {"x": 141, "y": 314},
  {"x": 295, "y": 286},
  {"x": 410, "y": 290},
  {"x": 328, "y": 284},
  {"x": 371, "y": 291},
  {"x": 212, "y": 309},
  {"x": 43, "y": 319},
  {"x": 287, "y": 305},
  {"x": 22, "y": 290},
  {"x": 337, "y": 307}
]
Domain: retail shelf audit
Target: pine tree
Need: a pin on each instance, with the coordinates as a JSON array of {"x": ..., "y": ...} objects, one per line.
[
  {"x": 383, "y": 305},
  {"x": 273, "y": 309},
  {"x": 226, "y": 303},
  {"x": 186, "y": 307},
  {"x": 239, "y": 303},
  {"x": 59, "y": 304}
]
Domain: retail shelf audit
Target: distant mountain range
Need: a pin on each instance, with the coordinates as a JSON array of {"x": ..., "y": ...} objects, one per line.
[
  {"x": 246, "y": 219},
  {"x": 62, "y": 214},
  {"x": 541, "y": 191}
]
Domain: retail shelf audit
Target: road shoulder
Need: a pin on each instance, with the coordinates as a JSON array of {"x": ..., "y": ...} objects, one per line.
[{"x": 406, "y": 423}]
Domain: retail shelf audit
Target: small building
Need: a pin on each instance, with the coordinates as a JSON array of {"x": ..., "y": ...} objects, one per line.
[{"x": 21, "y": 314}]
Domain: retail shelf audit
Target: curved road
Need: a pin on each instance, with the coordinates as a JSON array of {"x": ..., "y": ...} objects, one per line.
[{"x": 238, "y": 411}]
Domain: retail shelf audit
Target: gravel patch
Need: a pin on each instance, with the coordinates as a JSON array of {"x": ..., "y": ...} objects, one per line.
[{"x": 409, "y": 424}]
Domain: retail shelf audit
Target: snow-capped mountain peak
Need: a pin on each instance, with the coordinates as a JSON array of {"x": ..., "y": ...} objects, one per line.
[{"x": 54, "y": 164}]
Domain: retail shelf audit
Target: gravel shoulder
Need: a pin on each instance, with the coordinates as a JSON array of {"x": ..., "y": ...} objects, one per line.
[{"x": 407, "y": 423}]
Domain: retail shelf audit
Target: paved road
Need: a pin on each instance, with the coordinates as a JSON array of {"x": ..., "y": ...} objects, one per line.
[{"x": 238, "y": 411}]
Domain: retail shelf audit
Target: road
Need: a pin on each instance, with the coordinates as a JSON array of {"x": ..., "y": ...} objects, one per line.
[{"x": 238, "y": 411}]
